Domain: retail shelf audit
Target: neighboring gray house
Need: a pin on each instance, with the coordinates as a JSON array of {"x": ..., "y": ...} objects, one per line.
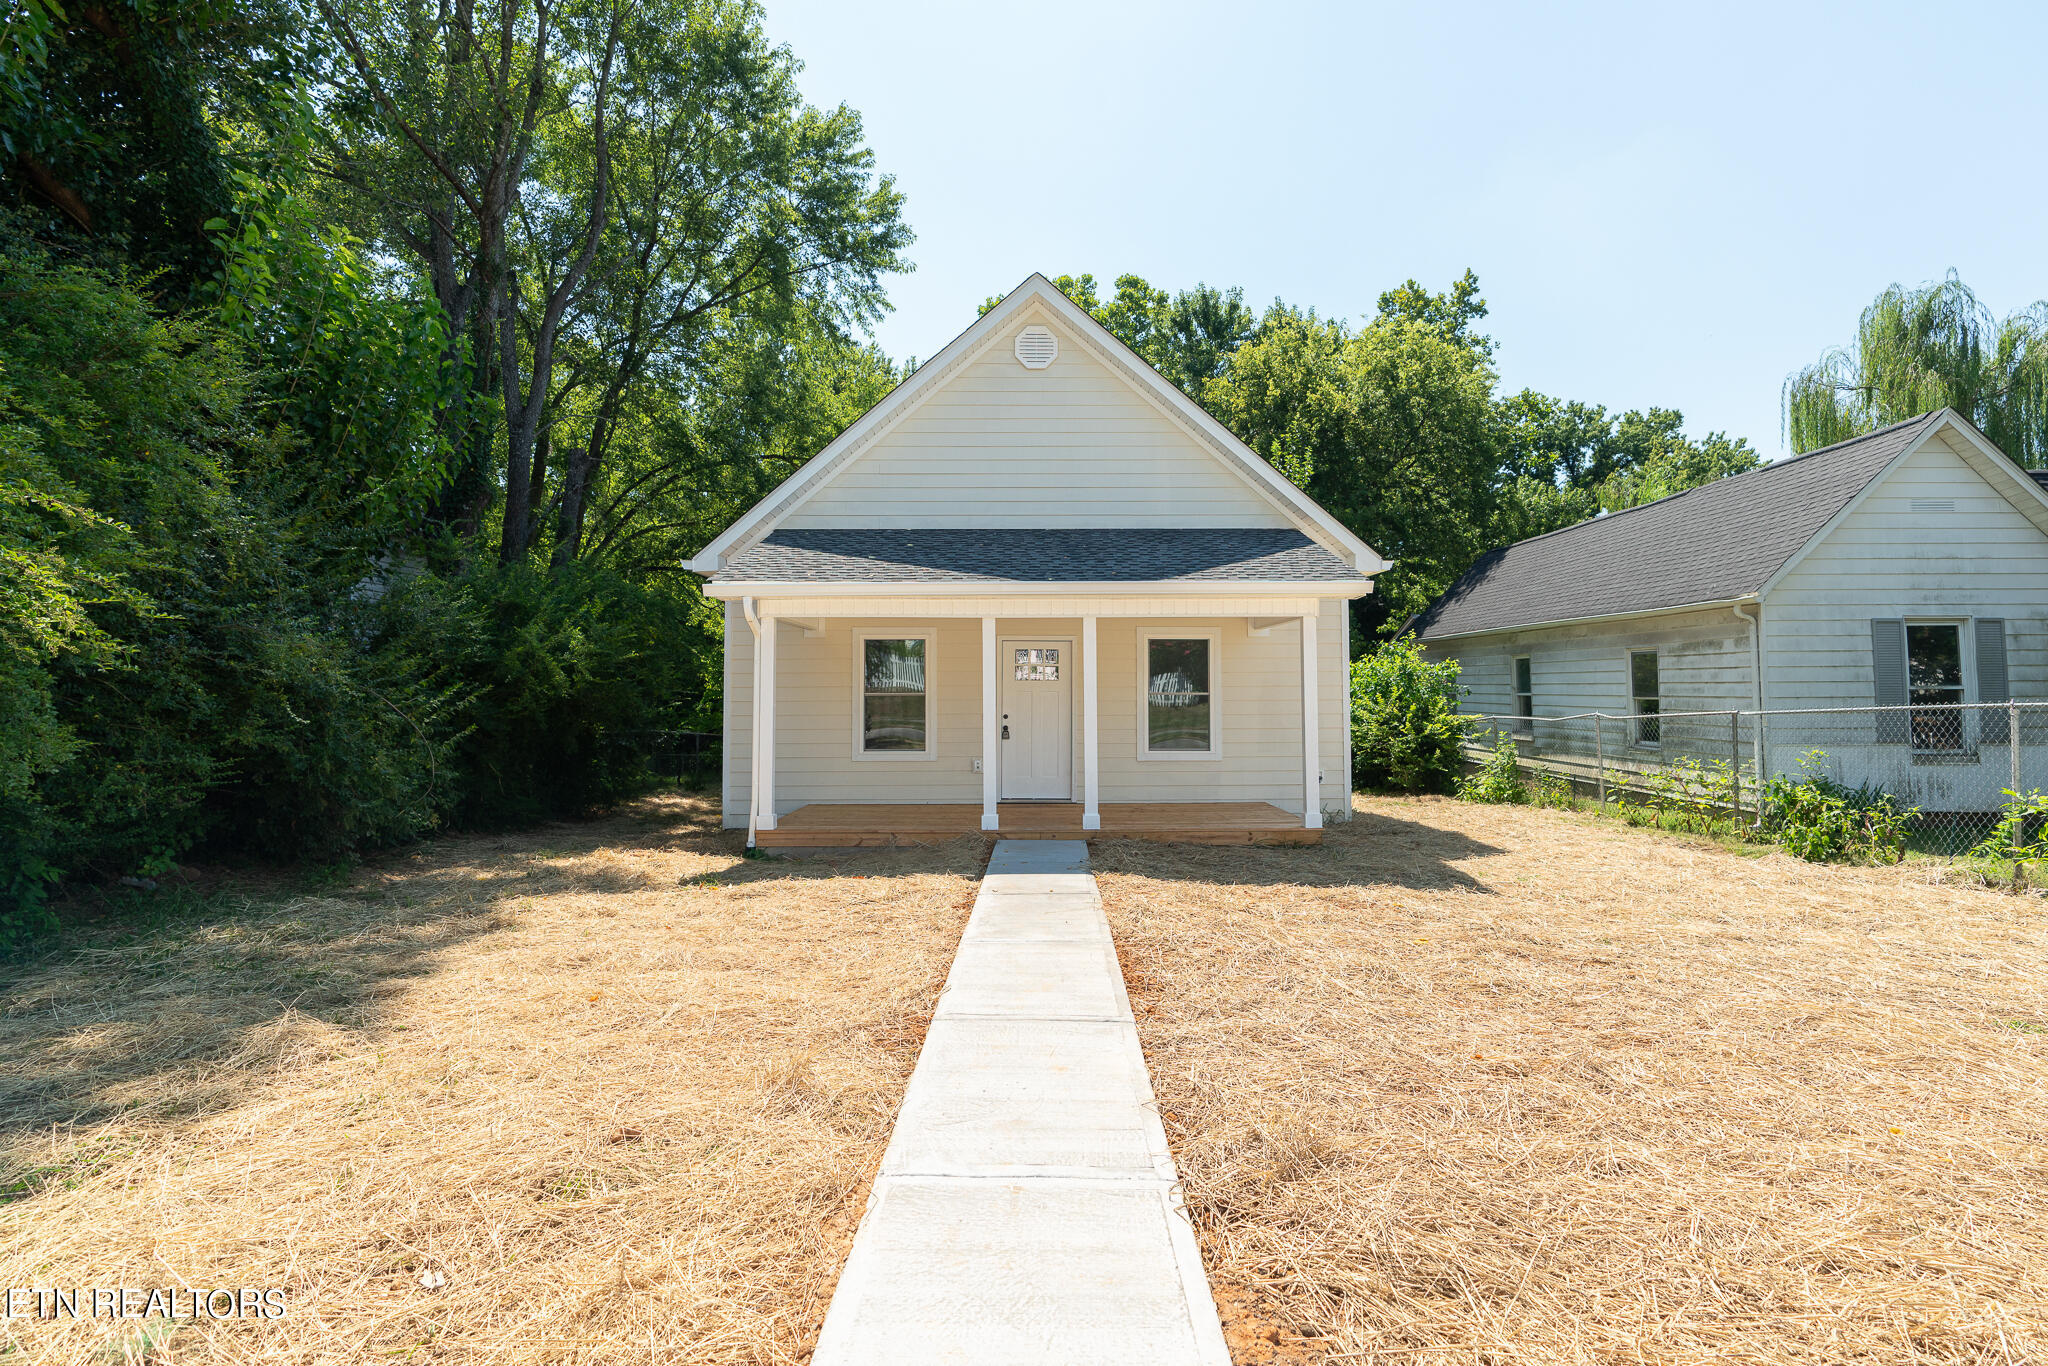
[{"x": 1906, "y": 567}]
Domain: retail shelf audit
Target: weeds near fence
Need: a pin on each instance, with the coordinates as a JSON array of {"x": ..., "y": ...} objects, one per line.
[
  {"x": 1811, "y": 816},
  {"x": 1552, "y": 789},
  {"x": 1498, "y": 781},
  {"x": 1820, "y": 820},
  {"x": 2020, "y": 837},
  {"x": 1686, "y": 795}
]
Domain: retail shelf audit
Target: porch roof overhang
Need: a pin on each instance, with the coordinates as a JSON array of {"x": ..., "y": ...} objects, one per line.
[{"x": 875, "y": 561}]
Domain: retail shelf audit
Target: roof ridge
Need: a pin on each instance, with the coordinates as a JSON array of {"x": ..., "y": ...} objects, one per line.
[{"x": 1724, "y": 479}]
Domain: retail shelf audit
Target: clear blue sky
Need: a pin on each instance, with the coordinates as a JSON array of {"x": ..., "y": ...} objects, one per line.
[{"x": 1671, "y": 205}]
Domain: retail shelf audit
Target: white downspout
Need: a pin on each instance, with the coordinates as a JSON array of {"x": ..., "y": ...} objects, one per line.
[{"x": 754, "y": 721}]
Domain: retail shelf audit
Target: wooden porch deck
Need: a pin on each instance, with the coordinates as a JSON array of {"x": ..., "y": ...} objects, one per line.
[{"x": 821, "y": 825}]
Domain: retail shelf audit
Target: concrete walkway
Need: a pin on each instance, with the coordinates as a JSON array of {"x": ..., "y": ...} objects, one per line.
[{"x": 1025, "y": 1211}]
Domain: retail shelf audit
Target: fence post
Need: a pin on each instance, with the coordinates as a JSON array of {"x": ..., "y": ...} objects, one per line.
[
  {"x": 1600, "y": 759},
  {"x": 1735, "y": 764},
  {"x": 2012, "y": 738},
  {"x": 1762, "y": 756}
]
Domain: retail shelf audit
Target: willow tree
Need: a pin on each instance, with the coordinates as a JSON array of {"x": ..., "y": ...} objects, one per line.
[{"x": 1931, "y": 347}]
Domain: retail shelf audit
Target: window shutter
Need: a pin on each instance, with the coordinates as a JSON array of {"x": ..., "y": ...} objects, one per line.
[
  {"x": 1991, "y": 680},
  {"x": 1888, "y": 672}
]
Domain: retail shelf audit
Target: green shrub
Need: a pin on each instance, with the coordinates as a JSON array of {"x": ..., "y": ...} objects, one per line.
[
  {"x": 568, "y": 668},
  {"x": 1498, "y": 780},
  {"x": 2021, "y": 835},
  {"x": 1405, "y": 731},
  {"x": 1816, "y": 818}
]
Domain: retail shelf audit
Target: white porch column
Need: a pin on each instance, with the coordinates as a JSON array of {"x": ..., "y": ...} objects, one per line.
[
  {"x": 1311, "y": 739},
  {"x": 991, "y": 726},
  {"x": 1091, "y": 768},
  {"x": 764, "y": 730}
]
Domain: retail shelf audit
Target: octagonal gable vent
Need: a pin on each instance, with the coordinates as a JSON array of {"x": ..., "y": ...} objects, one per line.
[{"x": 1037, "y": 348}]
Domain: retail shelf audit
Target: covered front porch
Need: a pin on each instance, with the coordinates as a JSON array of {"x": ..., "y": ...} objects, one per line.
[
  {"x": 823, "y": 825},
  {"x": 1198, "y": 716}
]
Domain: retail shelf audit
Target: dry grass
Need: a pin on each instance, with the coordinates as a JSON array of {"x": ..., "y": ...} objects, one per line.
[
  {"x": 1476, "y": 1084},
  {"x": 619, "y": 1088}
]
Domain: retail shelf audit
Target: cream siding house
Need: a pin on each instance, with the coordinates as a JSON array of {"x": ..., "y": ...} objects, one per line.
[
  {"x": 1879, "y": 572},
  {"x": 1035, "y": 590}
]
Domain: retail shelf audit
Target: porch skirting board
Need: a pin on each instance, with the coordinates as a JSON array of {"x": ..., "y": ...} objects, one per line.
[{"x": 854, "y": 825}]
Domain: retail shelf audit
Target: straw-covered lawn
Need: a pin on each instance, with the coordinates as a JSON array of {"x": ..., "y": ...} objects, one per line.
[
  {"x": 607, "y": 1092},
  {"x": 1481, "y": 1084}
]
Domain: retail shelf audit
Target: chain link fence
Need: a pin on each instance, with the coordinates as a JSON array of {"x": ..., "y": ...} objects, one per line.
[
  {"x": 688, "y": 758},
  {"x": 1951, "y": 764}
]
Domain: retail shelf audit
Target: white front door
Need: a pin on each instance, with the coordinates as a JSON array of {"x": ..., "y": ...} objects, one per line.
[{"x": 1038, "y": 718}]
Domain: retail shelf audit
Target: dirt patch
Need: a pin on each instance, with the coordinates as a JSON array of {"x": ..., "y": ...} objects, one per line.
[
  {"x": 606, "y": 1092},
  {"x": 1482, "y": 1084}
]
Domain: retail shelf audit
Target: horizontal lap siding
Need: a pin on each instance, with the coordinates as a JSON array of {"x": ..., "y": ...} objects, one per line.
[
  {"x": 739, "y": 717},
  {"x": 1003, "y": 446},
  {"x": 1259, "y": 716},
  {"x": 1984, "y": 559},
  {"x": 1704, "y": 662},
  {"x": 814, "y": 719}
]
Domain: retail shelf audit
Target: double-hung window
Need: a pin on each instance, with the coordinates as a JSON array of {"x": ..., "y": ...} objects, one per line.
[
  {"x": 1180, "y": 698},
  {"x": 1934, "y": 675},
  {"x": 894, "y": 720},
  {"x": 1646, "y": 697},
  {"x": 1525, "y": 697}
]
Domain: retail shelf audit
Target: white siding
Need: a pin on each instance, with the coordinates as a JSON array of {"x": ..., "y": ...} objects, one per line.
[
  {"x": 1072, "y": 445},
  {"x": 1984, "y": 559},
  {"x": 1704, "y": 660},
  {"x": 1259, "y": 714}
]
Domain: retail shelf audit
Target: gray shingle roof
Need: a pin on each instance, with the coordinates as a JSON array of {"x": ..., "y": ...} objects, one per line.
[
  {"x": 1050, "y": 555},
  {"x": 1715, "y": 543}
]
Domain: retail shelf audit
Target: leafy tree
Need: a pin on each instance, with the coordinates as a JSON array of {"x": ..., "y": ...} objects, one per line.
[
  {"x": 1453, "y": 314},
  {"x": 1929, "y": 347},
  {"x": 1390, "y": 427},
  {"x": 599, "y": 183},
  {"x": 185, "y": 672},
  {"x": 1566, "y": 461},
  {"x": 109, "y": 114}
]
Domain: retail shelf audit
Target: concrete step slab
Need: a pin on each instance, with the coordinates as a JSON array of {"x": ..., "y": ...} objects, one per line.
[
  {"x": 1013, "y": 1098},
  {"x": 1038, "y": 856},
  {"x": 953, "y": 1272}
]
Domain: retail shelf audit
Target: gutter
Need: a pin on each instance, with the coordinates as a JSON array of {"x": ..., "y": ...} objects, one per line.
[
  {"x": 954, "y": 588},
  {"x": 1581, "y": 621}
]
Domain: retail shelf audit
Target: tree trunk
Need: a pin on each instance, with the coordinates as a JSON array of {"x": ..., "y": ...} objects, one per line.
[{"x": 579, "y": 465}]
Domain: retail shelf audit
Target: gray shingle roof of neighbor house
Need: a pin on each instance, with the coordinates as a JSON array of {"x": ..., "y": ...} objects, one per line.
[
  {"x": 1041, "y": 555},
  {"x": 1716, "y": 543}
]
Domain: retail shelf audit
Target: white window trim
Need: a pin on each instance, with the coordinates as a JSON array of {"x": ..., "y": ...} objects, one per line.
[
  {"x": 1525, "y": 726},
  {"x": 1146, "y": 636},
  {"x": 1628, "y": 674},
  {"x": 931, "y": 690}
]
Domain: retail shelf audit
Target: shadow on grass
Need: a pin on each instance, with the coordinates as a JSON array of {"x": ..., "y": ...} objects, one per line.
[
  {"x": 1370, "y": 849},
  {"x": 169, "y": 1007}
]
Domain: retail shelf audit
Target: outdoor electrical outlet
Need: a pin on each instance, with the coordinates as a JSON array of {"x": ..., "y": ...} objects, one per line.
[{"x": 977, "y": 765}]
